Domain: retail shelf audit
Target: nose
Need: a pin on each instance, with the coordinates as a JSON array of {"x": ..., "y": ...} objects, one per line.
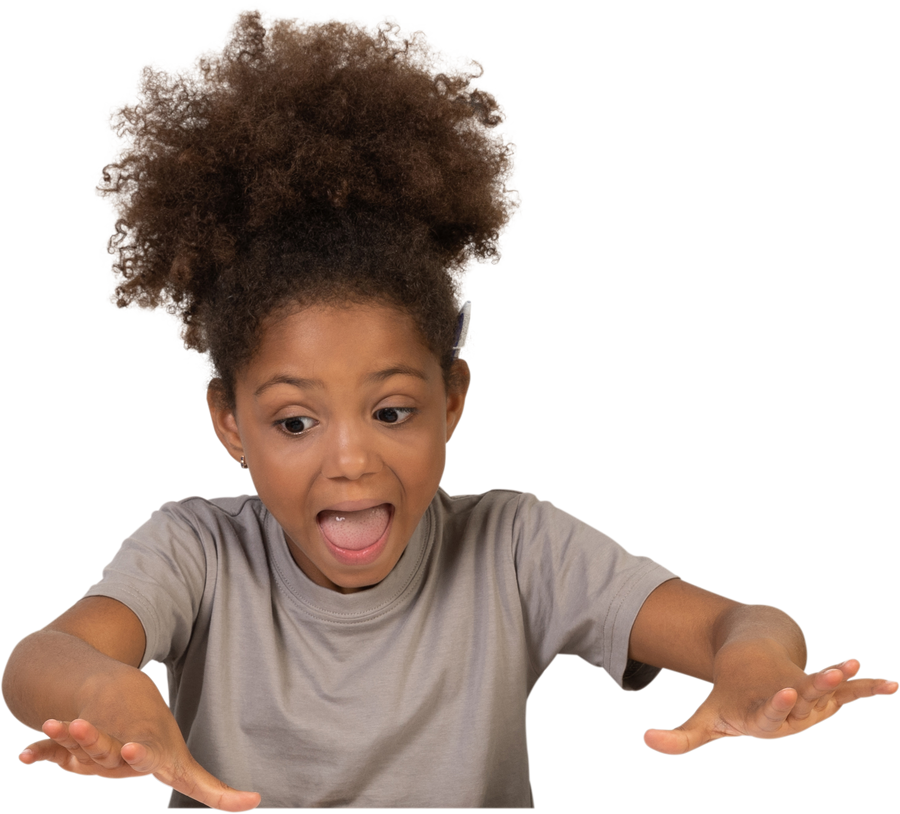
[{"x": 350, "y": 453}]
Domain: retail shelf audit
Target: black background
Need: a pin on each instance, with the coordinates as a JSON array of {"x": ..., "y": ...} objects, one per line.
[{"x": 685, "y": 347}]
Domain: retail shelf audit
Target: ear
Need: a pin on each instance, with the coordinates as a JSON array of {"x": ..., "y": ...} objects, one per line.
[
  {"x": 224, "y": 422},
  {"x": 457, "y": 388}
]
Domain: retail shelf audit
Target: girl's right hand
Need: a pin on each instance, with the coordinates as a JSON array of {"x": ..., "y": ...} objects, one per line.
[{"x": 80, "y": 747}]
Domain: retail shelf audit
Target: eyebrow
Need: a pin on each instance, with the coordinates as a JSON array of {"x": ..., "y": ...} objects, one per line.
[{"x": 318, "y": 384}]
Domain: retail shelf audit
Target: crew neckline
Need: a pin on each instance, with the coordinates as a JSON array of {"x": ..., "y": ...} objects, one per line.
[{"x": 323, "y": 603}]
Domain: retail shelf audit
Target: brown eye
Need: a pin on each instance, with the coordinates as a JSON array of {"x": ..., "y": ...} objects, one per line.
[
  {"x": 393, "y": 415},
  {"x": 298, "y": 424}
]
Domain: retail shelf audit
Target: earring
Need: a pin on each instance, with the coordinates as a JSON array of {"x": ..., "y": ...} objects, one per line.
[{"x": 244, "y": 463}]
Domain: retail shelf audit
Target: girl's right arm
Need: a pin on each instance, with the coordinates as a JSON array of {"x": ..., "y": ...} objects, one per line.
[
  {"x": 78, "y": 680},
  {"x": 97, "y": 638}
]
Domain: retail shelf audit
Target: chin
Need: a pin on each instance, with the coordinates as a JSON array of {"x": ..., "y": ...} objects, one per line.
[{"x": 348, "y": 585}]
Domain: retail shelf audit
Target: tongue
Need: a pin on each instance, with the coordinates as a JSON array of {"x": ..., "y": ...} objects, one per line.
[{"x": 355, "y": 530}]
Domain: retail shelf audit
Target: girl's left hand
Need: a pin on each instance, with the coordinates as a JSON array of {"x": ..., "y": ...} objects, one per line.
[{"x": 739, "y": 705}]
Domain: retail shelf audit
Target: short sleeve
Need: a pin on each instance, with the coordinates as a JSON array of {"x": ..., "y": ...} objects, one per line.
[
  {"x": 160, "y": 573},
  {"x": 580, "y": 591}
]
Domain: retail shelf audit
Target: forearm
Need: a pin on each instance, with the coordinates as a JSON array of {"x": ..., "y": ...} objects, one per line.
[
  {"x": 50, "y": 674},
  {"x": 744, "y": 628}
]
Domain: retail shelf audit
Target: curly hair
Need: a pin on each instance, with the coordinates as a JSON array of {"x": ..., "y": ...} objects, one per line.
[{"x": 305, "y": 164}]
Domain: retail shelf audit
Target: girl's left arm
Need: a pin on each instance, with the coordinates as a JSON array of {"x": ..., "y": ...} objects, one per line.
[{"x": 755, "y": 657}]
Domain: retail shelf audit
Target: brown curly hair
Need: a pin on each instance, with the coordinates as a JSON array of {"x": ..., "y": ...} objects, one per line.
[{"x": 305, "y": 164}]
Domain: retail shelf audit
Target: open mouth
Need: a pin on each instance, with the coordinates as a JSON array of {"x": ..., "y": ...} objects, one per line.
[{"x": 356, "y": 537}]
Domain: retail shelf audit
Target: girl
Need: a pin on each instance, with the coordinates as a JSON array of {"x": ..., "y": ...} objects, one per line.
[{"x": 308, "y": 202}]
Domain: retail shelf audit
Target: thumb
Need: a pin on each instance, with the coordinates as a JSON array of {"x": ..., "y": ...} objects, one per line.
[
  {"x": 671, "y": 741},
  {"x": 699, "y": 729},
  {"x": 188, "y": 777}
]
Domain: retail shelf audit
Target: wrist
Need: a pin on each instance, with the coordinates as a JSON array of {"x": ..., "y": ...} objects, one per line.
[
  {"x": 763, "y": 627},
  {"x": 109, "y": 687},
  {"x": 763, "y": 656},
  {"x": 112, "y": 683}
]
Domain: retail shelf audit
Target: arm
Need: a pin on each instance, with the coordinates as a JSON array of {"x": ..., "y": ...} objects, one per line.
[
  {"x": 755, "y": 657},
  {"x": 78, "y": 680},
  {"x": 97, "y": 637},
  {"x": 681, "y": 627}
]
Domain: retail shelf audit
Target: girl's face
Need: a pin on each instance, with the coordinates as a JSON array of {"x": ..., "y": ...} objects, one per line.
[{"x": 342, "y": 417}]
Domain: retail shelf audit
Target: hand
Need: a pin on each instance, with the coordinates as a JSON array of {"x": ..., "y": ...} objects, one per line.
[
  {"x": 156, "y": 746},
  {"x": 737, "y": 707}
]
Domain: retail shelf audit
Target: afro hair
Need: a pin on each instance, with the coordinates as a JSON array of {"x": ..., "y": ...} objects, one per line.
[{"x": 299, "y": 159}]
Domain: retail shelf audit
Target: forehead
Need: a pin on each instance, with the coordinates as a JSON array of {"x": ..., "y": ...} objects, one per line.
[
  {"x": 338, "y": 324},
  {"x": 320, "y": 340}
]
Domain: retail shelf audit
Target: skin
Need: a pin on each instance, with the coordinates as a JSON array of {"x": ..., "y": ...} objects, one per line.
[
  {"x": 310, "y": 422},
  {"x": 753, "y": 655}
]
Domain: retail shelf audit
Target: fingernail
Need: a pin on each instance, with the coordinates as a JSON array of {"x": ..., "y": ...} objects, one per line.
[{"x": 26, "y": 753}]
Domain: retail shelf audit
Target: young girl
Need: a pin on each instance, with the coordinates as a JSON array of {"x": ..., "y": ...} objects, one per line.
[{"x": 350, "y": 637}]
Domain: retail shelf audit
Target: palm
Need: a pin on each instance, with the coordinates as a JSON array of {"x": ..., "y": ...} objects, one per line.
[
  {"x": 816, "y": 697},
  {"x": 110, "y": 765},
  {"x": 70, "y": 762},
  {"x": 79, "y": 747}
]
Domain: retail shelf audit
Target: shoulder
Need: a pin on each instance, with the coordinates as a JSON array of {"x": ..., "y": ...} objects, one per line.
[
  {"x": 497, "y": 501},
  {"x": 203, "y": 527},
  {"x": 517, "y": 512},
  {"x": 507, "y": 501},
  {"x": 212, "y": 513}
]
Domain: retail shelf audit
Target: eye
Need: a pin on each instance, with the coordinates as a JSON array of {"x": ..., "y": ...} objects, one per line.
[
  {"x": 393, "y": 415},
  {"x": 296, "y": 425}
]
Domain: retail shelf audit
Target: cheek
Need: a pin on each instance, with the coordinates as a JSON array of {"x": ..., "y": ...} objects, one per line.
[
  {"x": 439, "y": 454},
  {"x": 427, "y": 462},
  {"x": 279, "y": 470}
]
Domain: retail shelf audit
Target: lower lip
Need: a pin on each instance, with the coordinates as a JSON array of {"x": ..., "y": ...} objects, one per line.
[{"x": 362, "y": 556}]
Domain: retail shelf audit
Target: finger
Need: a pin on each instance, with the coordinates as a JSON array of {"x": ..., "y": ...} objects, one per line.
[
  {"x": 45, "y": 750},
  {"x": 200, "y": 785},
  {"x": 849, "y": 669},
  {"x": 842, "y": 691},
  {"x": 769, "y": 719},
  {"x": 189, "y": 778},
  {"x": 815, "y": 693},
  {"x": 66, "y": 751},
  {"x": 677, "y": 741},
  {"x": 85, "y": 743},
  {"x": 59, "y": 731},
  {"x": 699, "y": 729},
  {"x": 54, "y": 752},
  {"x": 103, "y": 749},
  {"x": 670, "y": 741},
  {"x": 864, "y": 688}
]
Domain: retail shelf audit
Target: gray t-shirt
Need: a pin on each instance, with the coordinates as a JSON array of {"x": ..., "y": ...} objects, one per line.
[{"x": 408, "y": 693}]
